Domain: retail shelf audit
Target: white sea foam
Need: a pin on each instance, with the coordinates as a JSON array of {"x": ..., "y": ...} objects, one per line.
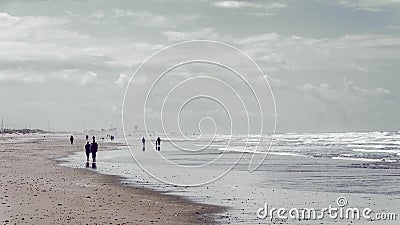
[
  {"x": 377, "y": 151},
  {"x": 370, "y": 146},
  {"x": 363, "y": 159},
  {"x": 262, "y": 152}
]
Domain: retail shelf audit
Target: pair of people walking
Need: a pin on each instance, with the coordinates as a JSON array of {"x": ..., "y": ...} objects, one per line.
[
  {"x": 91, "y": 148},
  {"x": 158, "y": 144}
]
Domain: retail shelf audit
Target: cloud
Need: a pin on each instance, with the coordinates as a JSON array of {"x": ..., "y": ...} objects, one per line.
[
  {"x": 45, "y": 45},
  {"x": 350, "y": 91},
  {"x": 140, "y": 18},
  {"x": 257, "y": 9},
  {"x": 88, "y": 77},
  {"x": 72, "y": 76},
  {"x": 122, "y": 80},
  {"x": 76, "y": 48},
  {"x": 247, "y": 4},
  {"x": 342, "y": 108},
  {"x": 7, "y": 20},
  {"x": 143, "y": 18},
  {"x": 350, "y": 88},
  {"x": 367, "y": 5},
  {"x": 258, "y": 38},
  {"x": 15, "y": 28},
  {"x": 393, "y": 27},
  {"x": 358, "y": 68},
  {"x": 351, "y": 52},
  {"x": 206, "y": 33},
  {"x": 235, "y": 4}
]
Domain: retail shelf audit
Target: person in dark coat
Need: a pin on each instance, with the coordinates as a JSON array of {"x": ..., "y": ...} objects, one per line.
[
  {"x": 158, "y": 143},
  {"x": 93, "y": 149},
  {"x": 87, "y": 150},
  {"x": 71, "y": 139}
]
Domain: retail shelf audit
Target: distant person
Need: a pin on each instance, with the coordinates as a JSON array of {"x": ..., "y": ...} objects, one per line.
[
  {"x": 71, "y": 139},
  {"x": 143, "y": 143},
  {"x": 87, "y": 137},
  {"x": 87, "y": 150},
  {"x": 93, "y": 149},
  {"x": 158, "y": 143},
  {"x": 112, "y": 137}
]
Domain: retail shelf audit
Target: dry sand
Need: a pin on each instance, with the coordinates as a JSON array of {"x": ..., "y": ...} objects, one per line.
[{"x": 34, "y": 190}]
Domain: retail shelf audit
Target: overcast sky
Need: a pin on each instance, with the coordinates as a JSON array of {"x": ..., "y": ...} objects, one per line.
[{"x": 333, "y": 65}]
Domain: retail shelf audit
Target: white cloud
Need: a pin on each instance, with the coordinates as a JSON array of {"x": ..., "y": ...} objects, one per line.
[
  {"x": 350, "y": 88},
  {"x": 72, "y": 76},
  {"x": 140, "y": 18},
  {"x": 88, "y": 77},
  {"x": 122, "y": 80},
  {"x": 358, "y": 68},
  {"x": 257, "y": 9},
  {"x": 367, "y": 5},
  {"x": 258, "y": 38},
  {"x": 235, "y": 4},
  {"x": 393, "y": 27},
  {"x": 260, "y": 14},
  {"x": 206, "y": 33},
  {"x": 352, "y": 52},
  {"x": 7, "y": 20},
  {"x": 50, "y": 41},
  {"x": 248, "y": 4},
  {"x": 143, "y": 18},
  {"x": 13, "y": 28}
]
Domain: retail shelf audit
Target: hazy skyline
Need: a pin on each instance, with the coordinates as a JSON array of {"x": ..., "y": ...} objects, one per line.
[{"x": 333, "y": 65}]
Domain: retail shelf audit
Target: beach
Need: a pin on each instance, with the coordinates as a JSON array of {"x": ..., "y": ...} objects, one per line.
[
  {"x": 44, "y": 180},
  {"x": 310, "y": 170},
  {"x": 35, "y": 190}
]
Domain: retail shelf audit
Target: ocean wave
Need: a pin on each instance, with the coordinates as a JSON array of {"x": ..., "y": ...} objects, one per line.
[
  {"x": 260, "y": 152},
  {"x": 363, "y": 159},
  {"x": 377, "y": 151}
]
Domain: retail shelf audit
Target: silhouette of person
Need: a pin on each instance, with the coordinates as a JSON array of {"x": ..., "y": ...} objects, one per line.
[
  {"x": 93, "y": 149},
  {"x": 87, "y": 150},
  {"x": 87, "y": 137},
  {"x": 71, "y": 139},
  {"x": 158, "y": 143},
  {"x": 143, "y": 143}
]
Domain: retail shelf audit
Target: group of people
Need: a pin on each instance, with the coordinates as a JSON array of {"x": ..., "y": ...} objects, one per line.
[
  {"x": 111, "y": 137},
  {"x": 91, "y": 148},
  {"x": 158, "y": 143}
]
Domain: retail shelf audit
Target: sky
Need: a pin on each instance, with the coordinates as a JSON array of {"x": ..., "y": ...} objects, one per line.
[{"x": 333, "y": 66}]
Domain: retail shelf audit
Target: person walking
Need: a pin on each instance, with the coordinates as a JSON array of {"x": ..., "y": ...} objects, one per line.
[
  {"x": 93, "y": 148},
  {"x": 87, "y": 150},
  {"x": 71, "y": 139},
  {"x": 158, "y": 143},
  {"x": 143, "y": 144}
]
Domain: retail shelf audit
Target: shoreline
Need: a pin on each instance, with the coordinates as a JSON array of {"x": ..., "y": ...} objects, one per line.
[{"x": 41, "y": 195}]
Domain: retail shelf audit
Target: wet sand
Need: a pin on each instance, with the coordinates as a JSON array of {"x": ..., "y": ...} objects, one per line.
[{"x": 34, "y": 190}]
